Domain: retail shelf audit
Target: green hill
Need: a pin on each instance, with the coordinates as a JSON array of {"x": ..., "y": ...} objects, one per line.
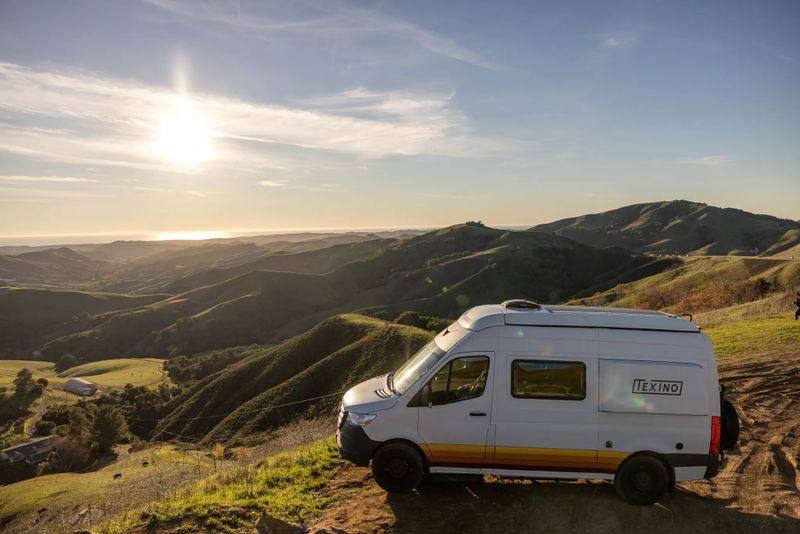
[
  {"x": 680, "y": 227},
  {"x": 440, "y": 273},
  {"x": 705, "y": 283},
  {"x": 314, "y": 261},
  {"x": 57, "y": 266},
  {"x": 329, "y": 358},
  {"x": 27, "y": 316}
]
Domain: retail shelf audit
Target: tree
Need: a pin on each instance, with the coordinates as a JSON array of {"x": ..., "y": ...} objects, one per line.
[
  {"x": 79, "y": 426},
  {"x": 23, "y": 384},
  {"x": 44, "y": 428},
  {"x": 108, "y": 427},
  {"x": 66, "y": 362},
  {"x": 68, "y": 455}
]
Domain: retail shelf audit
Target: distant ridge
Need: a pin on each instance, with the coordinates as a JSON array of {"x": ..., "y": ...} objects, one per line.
[
  {"x": 439, "y": 273},
  {"x": 680, "y": 227}
]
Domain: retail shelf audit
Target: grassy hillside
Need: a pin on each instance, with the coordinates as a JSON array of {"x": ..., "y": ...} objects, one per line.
[
  {"x": 29, "y": 316},
  {"x": 315, "y": 261},
  {"x": 10, "y": 368},
  {"x": 118, "y": 373},
  {"x": 439, "y": 273},
  {"x": 327, "y": 359},
  {"x": 704, "y": 283},
  {"x": 680, "y": 227},
  {"x": 51, "y": 267},
  {"x": 31, "y": 306},
  {"x": 107, "y": 373},
  {"x": 774, "y": 333},
  {"x": 167, "y": 469},
  {"x": 289, "y": 486}
]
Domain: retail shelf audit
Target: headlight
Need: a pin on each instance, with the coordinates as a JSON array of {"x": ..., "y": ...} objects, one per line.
[{"x": 362, "y": 419}]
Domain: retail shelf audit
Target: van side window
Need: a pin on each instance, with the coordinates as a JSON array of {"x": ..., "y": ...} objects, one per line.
[
  {"x": 461, "y": 379},
  {"x": 544, "y": 379}
]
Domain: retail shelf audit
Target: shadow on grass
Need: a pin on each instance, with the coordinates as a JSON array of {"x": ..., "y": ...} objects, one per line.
[{"x": 569, "y": 507}]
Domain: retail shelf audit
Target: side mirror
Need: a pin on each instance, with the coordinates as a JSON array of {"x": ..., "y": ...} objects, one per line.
[{"x": 425, "y": 395}]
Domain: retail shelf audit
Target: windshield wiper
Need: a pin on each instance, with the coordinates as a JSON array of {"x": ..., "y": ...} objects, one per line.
[{"x": 390, "y": 382}]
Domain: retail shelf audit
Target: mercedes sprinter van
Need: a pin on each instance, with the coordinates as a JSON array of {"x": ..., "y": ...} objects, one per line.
[{"x": 559, "y": 392}]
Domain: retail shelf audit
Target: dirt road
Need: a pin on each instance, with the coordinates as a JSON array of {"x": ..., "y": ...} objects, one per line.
[{"x": 757, "y": 491}]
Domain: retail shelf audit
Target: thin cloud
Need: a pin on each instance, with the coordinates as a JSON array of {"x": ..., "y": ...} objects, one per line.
[
  {"x": 716, "y": 160},
  {"x": 336, "y": 20},
  {"x": 56, "y": 179},
  {"x": 619, "y": 41},
  {"x": 153, "y": 189},
  {"x": 199, "y": 194},
  {"x": 114, "y": 122},
  {"x": 285, "y": 184},
  {"x": 274, "y": 183},
  {"x": 21, "y": 194}
]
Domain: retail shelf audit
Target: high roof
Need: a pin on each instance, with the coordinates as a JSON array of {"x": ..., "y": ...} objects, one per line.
[{"x": 525, "y": 313}]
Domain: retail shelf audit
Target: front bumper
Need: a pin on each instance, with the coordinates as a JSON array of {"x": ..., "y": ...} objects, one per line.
[{"x": 353, "y": 443}]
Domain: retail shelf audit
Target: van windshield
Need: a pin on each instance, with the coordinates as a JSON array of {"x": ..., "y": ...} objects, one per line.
[{"x": 413, "y": 369}]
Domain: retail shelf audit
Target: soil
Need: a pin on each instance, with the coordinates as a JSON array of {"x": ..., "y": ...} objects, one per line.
[{"x": 756, "y": 491}]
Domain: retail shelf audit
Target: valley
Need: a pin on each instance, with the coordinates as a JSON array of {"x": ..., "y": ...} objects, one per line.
[{"x": 248, "y": 344}]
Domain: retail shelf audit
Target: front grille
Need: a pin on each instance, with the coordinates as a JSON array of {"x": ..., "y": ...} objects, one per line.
[{"x": 382, "y": 393}]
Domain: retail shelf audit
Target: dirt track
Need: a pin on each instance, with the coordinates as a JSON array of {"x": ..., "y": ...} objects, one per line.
[{"x": 757, "y": 491}]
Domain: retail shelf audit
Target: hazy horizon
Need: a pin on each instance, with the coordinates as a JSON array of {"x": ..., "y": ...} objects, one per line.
[{"x": 157, "y": 116}]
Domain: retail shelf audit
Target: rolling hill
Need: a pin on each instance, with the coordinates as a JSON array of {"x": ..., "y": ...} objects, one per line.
[
  {"x": 680, "y": 227},
  {"x": 440, "y": 273},
  {"x": 706, "y": 283},
  {"x": 29, "y": 315},
  {"x": 57, "y": 266},
  {"x": 329, "y": 358}
]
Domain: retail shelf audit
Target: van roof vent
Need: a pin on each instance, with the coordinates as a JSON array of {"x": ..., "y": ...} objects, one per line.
[{"x": 520, "y": 304}]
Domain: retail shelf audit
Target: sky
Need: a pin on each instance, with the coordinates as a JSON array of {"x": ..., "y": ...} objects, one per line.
[{"x": 150, "y": 117}]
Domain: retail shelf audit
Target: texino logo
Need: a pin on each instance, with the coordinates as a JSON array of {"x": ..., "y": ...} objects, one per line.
[{"x": 657, "y": 387}]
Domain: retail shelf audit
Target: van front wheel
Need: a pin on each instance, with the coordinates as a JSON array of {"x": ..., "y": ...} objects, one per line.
[
  {"x": 642, "y": 480},
  {"x": 397, "y": 467}
]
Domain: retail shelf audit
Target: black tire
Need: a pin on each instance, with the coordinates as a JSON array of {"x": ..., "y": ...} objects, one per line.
[
  {"x": 642, "y": 480},
  {"x": 730, "y": 426},
  {"x": 397, "y": 467}
]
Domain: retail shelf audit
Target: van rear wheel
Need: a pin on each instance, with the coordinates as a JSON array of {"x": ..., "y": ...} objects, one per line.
[
  {"x": 642, "y": 480},
  {"x": 397, "y": 467}
]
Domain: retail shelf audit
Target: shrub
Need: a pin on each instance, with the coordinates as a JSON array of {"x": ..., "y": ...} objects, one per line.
[{"x": 44, "y": 428}]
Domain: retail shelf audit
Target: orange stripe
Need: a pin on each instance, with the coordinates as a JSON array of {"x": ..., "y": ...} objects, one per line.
[{"x": 589, "y": 459}]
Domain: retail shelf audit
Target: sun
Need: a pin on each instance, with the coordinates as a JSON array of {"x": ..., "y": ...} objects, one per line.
[{"x": 182, "y": 136}]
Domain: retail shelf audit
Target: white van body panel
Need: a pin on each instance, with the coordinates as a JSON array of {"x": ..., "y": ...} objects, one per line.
[{"x": 650, "y": 386}]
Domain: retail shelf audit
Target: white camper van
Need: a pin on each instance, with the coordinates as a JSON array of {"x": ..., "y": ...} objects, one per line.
[{"x": 568, "y": 392}]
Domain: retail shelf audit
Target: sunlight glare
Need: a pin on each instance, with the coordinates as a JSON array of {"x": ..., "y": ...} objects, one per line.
[
  {"x": 189, "y": 236},
  {"x": 182, "y": 136}
]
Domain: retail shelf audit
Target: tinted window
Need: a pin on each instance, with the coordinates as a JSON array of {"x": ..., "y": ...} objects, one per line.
[
  {"x": 460, "y": 379},
  {"x": 539, "y": 379}
]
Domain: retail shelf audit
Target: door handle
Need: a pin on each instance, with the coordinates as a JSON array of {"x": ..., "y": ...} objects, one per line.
[{"x": 478, "y": 414}]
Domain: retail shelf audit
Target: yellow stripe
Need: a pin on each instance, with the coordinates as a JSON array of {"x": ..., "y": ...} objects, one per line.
[{"x": 547, "y": 457}]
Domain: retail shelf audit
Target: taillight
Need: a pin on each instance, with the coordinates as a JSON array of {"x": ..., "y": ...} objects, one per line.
[{"x": 716, "y": 429}]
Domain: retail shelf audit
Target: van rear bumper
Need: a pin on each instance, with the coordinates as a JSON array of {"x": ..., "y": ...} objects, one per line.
[
  {"x": 354, "y": 445},
  {"x": 711, "y": 462}
]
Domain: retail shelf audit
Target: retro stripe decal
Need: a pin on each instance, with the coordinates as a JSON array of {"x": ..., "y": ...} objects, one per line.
[{"x": 524, "y": 458}]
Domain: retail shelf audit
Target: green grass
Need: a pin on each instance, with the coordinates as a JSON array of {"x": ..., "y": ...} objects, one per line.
[
  {"x": 286, "y": 486},
  {"x": 63, "y": 491},
  {"x": 10, "y": 368},
  {"x": 700, "y": 284},
  {"x": 117, "y": 373},
  {"x": 107, "y": 373},
  {"x": 779, "y": 333}
]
